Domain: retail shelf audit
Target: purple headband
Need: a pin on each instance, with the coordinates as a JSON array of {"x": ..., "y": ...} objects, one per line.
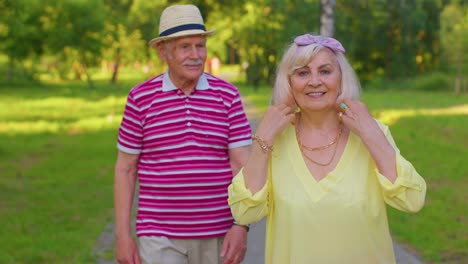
[{"x": 307, "y": 39}]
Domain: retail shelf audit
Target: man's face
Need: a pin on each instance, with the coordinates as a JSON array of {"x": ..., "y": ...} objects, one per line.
[{"x": 185, "y": 58}]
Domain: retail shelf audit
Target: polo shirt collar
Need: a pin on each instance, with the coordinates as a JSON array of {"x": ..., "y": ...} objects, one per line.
[{"x": 168, "y": 85}]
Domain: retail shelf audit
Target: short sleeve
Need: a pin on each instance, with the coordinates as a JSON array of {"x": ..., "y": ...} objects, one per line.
[
  {"x": 240, "y": 132},
  {"x": 131, "y": 128}
]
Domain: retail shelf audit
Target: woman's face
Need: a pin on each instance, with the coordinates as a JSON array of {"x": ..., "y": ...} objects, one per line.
[{"x": 316, "y": 86}]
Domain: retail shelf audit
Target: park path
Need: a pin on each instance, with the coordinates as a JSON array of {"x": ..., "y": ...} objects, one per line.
[{"x": 104, "y": 248}]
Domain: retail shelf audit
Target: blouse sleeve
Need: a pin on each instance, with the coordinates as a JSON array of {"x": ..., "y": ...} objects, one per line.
[
  {"x": 408, "y": 192},
  {"x": 245, "y": 207}
]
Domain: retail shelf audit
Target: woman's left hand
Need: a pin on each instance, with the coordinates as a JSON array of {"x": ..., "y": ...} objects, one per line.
[{"x": 358, "y": 119}]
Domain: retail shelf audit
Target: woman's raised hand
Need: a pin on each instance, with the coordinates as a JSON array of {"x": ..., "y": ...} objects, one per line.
[
  {"x": 275, "y": 119},
  {"x": 358, "y": 119}
]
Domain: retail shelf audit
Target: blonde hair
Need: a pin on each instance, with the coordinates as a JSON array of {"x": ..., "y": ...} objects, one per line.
[{"x": 297, "y": 57}]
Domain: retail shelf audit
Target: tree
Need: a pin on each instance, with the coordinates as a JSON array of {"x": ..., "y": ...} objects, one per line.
[
  {"x": 256, "y": 40},
  {"x": 75, "y": 27},
  {"x": 389, "y": 39},
  {"x": 260, "y": 30},
  {"x": 383, "y": 38},
  {"x": 21, "y": 36},
  {"x": 327, "y": 22},
  {"x": 454, "y": 39},
  {"x": 123, "y": 43},
  {"x": 122, "y": 47}
]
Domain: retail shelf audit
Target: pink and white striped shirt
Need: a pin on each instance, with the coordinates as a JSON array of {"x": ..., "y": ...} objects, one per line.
[{"x": 183, "y": 142}]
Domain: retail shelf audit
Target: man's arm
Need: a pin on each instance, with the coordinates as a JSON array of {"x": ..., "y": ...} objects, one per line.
[
  {"x": 124, "y": 190},
  {"x": 238, "y": 157},
  {"x": 235, "y": 241}
]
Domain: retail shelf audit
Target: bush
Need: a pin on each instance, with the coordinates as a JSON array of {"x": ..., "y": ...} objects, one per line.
[
  {"x": 436, "y": 82},
  {"x": 432, "y": 82}
]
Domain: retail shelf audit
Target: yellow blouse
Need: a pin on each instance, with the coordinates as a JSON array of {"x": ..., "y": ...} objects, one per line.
[{"x": 339, "y": 219}]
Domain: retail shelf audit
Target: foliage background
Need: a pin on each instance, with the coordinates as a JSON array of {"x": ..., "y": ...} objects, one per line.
[{"x": 384, "y": 39}]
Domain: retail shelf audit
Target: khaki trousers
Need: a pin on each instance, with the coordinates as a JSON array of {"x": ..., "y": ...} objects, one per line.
[{"x": 163, "y": 250}]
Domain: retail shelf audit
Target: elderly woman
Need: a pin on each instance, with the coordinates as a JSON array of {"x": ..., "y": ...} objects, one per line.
[{"x": 323, "y": 169}]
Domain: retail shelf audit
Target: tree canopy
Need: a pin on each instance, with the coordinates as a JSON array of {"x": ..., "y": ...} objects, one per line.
[{"x": 383, "y": 38}]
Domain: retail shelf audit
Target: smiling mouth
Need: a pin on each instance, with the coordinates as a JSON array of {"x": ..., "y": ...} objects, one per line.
[{"x": 316, "y": 94}]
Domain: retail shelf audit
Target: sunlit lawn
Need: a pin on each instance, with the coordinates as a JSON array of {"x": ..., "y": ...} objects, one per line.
[
  {"x": 57, "y": 151},
  {"x": 431, "y": 130}
]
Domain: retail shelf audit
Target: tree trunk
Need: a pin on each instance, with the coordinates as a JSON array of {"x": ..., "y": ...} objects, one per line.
[
  {"x": 88, "y": 78},
  {"x": 115, "y": 71},
  {"x": 85, "y": 70},
  {"x": 77, "y": 69},
  {"x": 465, "y": 86},
  {"x": 457, "y": 85},
  {"x": 327, "y": 23},
  {"x": 115, "y": 68},
  {"x": 459, "y": 78},
  {"x": 10, "y": 71},
  {"x": 232, "y": 54}
]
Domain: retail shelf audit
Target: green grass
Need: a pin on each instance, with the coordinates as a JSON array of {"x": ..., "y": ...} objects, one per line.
[
  {"x": 57, "y": 152},
  {"x": 431, "y": 130}
]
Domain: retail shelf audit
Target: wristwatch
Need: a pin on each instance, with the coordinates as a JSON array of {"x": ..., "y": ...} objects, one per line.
[{"x": 247, "y": 227}]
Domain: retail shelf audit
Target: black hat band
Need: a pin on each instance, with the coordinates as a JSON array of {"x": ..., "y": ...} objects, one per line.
[{"x": 181, "y": 28}]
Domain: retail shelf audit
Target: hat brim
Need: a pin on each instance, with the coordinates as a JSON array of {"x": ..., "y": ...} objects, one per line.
[{"x": 185, "y": 33}]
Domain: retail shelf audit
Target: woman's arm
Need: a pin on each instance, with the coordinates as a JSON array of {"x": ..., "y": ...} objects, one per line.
[
  {"x": 402, "y": 187},
  {"x": 248, "y": 193},
  {"x": 274, "y": 121},
  {"x": 358, "y": 119}
]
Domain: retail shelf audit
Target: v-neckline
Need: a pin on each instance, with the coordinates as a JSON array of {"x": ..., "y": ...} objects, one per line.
[{"x": 318, "y": 188}]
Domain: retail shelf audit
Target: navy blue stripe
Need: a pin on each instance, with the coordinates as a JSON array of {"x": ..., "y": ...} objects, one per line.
[{"x": 181, "y": 28}]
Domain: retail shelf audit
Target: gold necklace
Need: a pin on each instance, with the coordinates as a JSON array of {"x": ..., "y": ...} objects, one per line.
[
  {"x": 325, "y": 146},
  {"x": 318, "y": 163},
  {"x": 301, "y": 147}
]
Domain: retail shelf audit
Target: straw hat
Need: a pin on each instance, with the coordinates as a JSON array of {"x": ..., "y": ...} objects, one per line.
[{"x": 180, "y": 20}]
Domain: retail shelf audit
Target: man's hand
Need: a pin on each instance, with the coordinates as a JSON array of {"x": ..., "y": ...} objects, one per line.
[
  {"x": 235, "y": 245},
  {"x": 127, "y": 251}
]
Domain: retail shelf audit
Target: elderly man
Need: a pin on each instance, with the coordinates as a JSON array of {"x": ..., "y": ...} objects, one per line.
[{"x": 183, "y": 136}]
